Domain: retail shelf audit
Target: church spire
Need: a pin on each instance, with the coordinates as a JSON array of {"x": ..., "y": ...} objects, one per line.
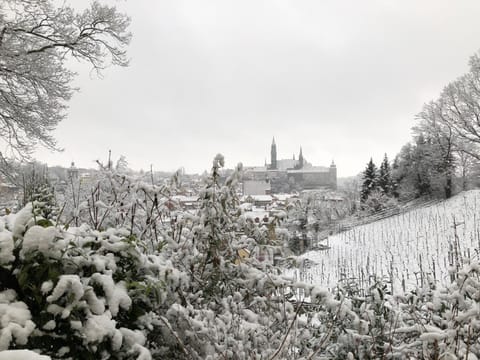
[
  {"x": 300, "y": 159},
  {"x": 273, "y": 155}
]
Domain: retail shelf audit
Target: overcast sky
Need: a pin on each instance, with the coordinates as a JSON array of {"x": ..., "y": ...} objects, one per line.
[{"x": 342, "y": 79}]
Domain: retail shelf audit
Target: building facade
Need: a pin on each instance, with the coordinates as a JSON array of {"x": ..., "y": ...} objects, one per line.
[{"x": 286, "y": 175}]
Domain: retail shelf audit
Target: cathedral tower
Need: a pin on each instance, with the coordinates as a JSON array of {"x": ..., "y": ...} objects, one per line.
[
  {"x": 300, "y": 159},
  {"x": 333, "y": 175},
  {"x": 273, "y": 154}
]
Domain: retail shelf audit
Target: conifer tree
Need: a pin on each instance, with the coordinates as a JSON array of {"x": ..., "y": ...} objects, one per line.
[
  {"x": 370, "y": 180},
  {"x": 423, "y": 165},
  {"x": 38, "y": 190},
  {"x": 396, "y": 177},
  {"x": 385, "y": 177}
]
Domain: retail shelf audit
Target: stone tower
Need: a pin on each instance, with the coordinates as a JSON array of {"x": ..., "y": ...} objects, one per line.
[
  {"x": 273, "y": 155},
  {"x": 333, "y": 175}
]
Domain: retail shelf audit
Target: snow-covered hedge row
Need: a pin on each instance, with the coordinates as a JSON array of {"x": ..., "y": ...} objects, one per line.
[
  {"x": 154, "y": 282},
  {"x": 69, "y": 291},
  {"x": 141, "y": 279}
]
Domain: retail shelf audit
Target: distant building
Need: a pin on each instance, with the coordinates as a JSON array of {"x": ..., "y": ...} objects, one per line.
[
  {"x": 187, "y": 202},
  {"x": 258, "y": 200},
  {"x": 286, "y": 175},
  {"x": 72, "y": 172},
  {"x": 256, "y": 187}
]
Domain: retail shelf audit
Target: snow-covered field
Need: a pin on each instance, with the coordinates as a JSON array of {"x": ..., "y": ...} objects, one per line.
[{"x": 410, "y": 248}]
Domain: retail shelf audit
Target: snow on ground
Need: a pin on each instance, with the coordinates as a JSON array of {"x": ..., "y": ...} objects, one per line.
[{"x": 410, "y": 248}]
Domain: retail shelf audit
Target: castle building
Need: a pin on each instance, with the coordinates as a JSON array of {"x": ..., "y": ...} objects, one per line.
[{"x": 286, "y": 175}]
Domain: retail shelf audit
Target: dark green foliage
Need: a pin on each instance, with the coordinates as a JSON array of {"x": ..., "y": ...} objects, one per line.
[
  {"x": 34, "y": 268},
  {"x": 370, "y": 181},
  {"x": 424, "y": 168},
  {"x": 385, "y": 177},
  {"x": 38, "y": 190}
]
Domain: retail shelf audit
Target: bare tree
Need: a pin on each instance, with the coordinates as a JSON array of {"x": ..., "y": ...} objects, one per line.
[
  {"x": 457, "y": 111},
  {"x": 467, "y": 170},
  {"x": 442, "y": 142},
  {"x": 37, "y": 37}
]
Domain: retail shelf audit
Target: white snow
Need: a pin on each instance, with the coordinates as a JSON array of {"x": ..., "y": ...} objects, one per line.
[
  {"x": 38, "y": 238},
  {"x": 96, "y": 305},
  {"x": 47, "y": 286},
  {"x": 63, "y": 350},
  {"x": 15, "y": 320},
  {"x": 6, "y": 247},
  {"x": 416, "y": 246},
  {"x": 67, "y": 283},
  {"x": 22, "y": 355},
  {"x": 132, "y": 337},
  {"x": 143, "y": 353},
  {"x": 116, "y": 294},
  {"x": 23, "y": 219},
  {"x": 50, "y": 325},
  {"x": 98, "y": 327}
]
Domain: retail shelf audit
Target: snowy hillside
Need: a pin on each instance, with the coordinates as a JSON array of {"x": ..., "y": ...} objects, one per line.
[{"x": 409, "y": 248}]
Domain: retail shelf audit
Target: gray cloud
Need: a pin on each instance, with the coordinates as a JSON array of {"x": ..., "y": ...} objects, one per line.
[{"x": 343, "y": 79}]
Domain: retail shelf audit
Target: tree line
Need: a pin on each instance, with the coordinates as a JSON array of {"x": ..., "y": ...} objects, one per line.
[{"x": 442, "y": 157}]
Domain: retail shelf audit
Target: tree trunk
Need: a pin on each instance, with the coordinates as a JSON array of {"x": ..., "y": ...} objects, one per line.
[{"x": 448, "y": 186}]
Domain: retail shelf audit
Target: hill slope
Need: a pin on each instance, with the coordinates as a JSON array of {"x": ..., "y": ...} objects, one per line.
[{"x": 408, "y": 249}]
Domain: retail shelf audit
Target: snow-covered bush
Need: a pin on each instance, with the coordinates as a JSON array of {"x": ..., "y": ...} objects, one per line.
[
  {"x": 378, "y": 201},
  {"x": 218, "y": 307},
  {"x": 72, "y": 293},
  {"x": 151, "y": 281},
  {"x": 427, "y": 323},
  {"x": 142, "y": 274}
]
